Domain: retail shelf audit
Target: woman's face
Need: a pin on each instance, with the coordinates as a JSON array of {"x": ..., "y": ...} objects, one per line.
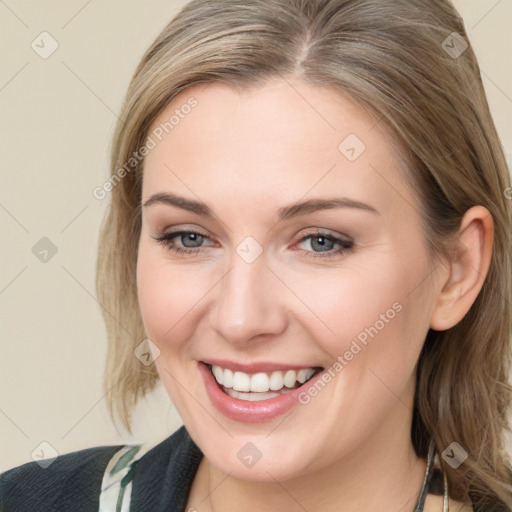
[{"x": 306, "y": 252}]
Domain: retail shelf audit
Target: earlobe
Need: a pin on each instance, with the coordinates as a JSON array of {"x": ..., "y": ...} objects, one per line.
[{"x": 468, "y": 269}]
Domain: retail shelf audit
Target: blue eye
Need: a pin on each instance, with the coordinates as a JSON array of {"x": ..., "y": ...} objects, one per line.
[
  {"x": 187, "y": 237},
  {"x": 322, "y": 244},
  {"x": 195, "y": 238}
]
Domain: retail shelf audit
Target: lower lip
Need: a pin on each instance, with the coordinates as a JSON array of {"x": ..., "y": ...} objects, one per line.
[{"x": 250, "y": 412}]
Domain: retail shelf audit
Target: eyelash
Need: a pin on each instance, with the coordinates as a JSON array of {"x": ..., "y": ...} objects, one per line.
[{"x": 346, "y": 245}]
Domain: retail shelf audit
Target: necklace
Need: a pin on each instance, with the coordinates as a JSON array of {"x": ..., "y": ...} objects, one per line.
[{"x": 428, "y": 474}]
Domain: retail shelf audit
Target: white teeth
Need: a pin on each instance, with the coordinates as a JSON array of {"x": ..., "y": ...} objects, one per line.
[
  {"x": 241, "y": 381},
  {"x": 276, "y": 381},
  {"x": 260, "y": 382},
  {"x": 255, "y": 397},
  {"x": 290, "y": 378},
  {"x": 302, "y": 376},
  {"x": 227, "y": 378},
  {"x": 251, "y": 397},
  {"x": 218, "y": 374}
]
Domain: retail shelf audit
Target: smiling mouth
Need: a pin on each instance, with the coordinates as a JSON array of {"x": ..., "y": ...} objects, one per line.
[{"x": 261, "y": 385}]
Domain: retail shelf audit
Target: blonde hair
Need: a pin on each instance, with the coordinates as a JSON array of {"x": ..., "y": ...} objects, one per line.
[{"x": 392, "y": 57}]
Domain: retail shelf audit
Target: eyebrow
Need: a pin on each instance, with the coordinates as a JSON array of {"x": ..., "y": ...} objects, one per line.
[{"x": 286, "y": 212}]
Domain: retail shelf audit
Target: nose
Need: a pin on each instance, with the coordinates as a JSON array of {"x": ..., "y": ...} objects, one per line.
[{"x": 248, "y": 304}]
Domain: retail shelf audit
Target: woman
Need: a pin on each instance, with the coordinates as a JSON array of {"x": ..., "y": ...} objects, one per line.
[{"x": 309, "y": 244}]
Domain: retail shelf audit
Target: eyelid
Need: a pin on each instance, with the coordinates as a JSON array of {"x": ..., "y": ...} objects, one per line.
[
  {"x": 344, "y": 242},
  {"x": 323, "y": 232},
  {"x": 174, "y": 232}
]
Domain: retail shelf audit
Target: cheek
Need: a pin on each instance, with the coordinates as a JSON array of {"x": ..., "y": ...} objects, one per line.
[
  {"x": 169, "y": 300},
  {"x": 168, "y": 297},
  {"x": 379, "y": 317},
  {"x": 373, "y": 313}
]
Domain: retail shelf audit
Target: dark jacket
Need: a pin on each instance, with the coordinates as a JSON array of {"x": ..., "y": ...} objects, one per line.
[{"x": 72, "y": 483}]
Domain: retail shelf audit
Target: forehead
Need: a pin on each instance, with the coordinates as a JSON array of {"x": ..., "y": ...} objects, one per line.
[
  {"x": 282, "y": 110},
  {"x": 286, "y": 135}
]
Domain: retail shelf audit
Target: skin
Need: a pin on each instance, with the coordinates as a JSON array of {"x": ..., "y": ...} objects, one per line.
[{"x": 247, "y": 154}]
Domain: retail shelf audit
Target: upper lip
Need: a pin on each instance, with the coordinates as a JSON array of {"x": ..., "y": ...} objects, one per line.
[{"x": 256, "y": 366}]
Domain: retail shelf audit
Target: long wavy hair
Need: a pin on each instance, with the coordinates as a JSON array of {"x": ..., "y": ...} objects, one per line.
[{"x": 401, "y": 60}]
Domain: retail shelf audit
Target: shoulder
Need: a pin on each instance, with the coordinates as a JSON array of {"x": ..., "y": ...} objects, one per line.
[
  {"x": 70, "y": 479},
  {"x": 158, "y": 478}
]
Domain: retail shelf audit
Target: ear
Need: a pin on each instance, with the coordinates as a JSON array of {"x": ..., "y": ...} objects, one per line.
[{"x": 467, "y": 269}]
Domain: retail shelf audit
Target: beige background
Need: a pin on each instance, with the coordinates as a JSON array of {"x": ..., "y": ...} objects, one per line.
[{"x": 57, "y": 117}]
